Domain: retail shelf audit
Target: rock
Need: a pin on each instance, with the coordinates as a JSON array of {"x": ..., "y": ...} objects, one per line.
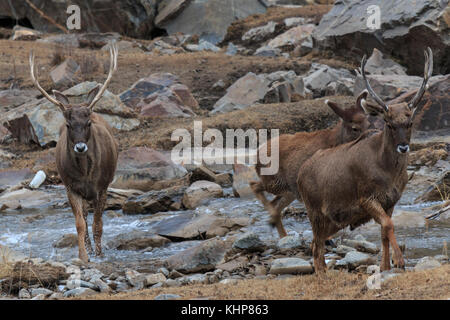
[
  {"x": 405, "y": 29},
  {"x": 67, "y": 241},
  {"x": 67, "y": 40},
  {"x": 74, "y": 282},
  {"x": 343, "y": 250},
  {"x": 66, "y": 74},
  {"x": 168, "y": 9},
  {"x": 24, "y": 294},
  {"x": 203, "y": 46},
  {"x": 204, "y": 257},
  {"x": 146, "y": 169},
  {"x": 23, "y": 34},
  {"x": 442, "y": 258},
  {"x": 160, "y": 95},
  {"x": 133, "y": 18},
  {"x": 249, "y": 242},
  {"x": 235, "y": 264},
  {"x": 291, "y": 242},
  {"x": 135, "y": 278},
  {"x": 229, "y": 281},
  {"x": 210, "y": 18},
  {"x": 294, "y": 21},
  {"x": 167, "y": 296},
  {"x": 193, "y": 279},
  {"x": 362, "y": 245},
  {"x": 320, "y": 76},
  {"x": 12, "y": 178},
  {"x": 12, "y": 98},
  {"x": 152, "y": 279},
  {"x": 137, "y": 240},
  {"x": 377, "y": 64},
  {"x": 304, "y": 48},
  {"x": 428, "y": 156},
  {"x": 153, "y": 201},
  {"x": 205, "y": 226},
  {"x": 261, "y": 33},
  {"x": 427, "y": 263},
  {"x": 39, "y": 297},
  {"x": 266, "y": 51},
  {"x": 354, "y": 259},
  {"x": 201, "y": 192},
  {"x": 32, "y": 199},
  {"x": 41, "y": 291},
  {"x": 244, "y": 92},
  {"x": 56, "y": 296},
  {"x": 292, "y": 37},
  {"x": 437, "y": 191},
  {"x": 79, "y": 292},
  {"x": 290, "y": 266}
]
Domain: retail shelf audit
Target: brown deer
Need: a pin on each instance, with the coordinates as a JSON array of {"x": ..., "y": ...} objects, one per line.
[
  {"x": 295, "y": 149},
  {"x": 86, "y": 157},
  {"x": 353, "y": 183}
]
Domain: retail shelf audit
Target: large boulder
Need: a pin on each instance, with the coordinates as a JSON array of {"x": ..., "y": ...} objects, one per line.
[
  {"x": 134, "y": 18},
  {"x": 12, "y": 98},
  {"x": 200, "y": 192},
  {"x": 160, "y": 95},
  {"x": 204, "y": 257},
  {"x": 146, "y": 169},
  {"x": 207, "y": 18},
  {"x": 407, "y": 29}
]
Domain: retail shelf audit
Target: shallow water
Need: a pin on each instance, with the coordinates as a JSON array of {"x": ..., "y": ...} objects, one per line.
[{"x": 36, "y": 238}]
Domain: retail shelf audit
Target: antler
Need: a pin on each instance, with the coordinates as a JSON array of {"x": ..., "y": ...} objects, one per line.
[
  {"x": 112, "y": 68},
  {"x": 369, "y": 88},
  {"x": 427, "y": 74},
  {"x": 36, "y": 83}
]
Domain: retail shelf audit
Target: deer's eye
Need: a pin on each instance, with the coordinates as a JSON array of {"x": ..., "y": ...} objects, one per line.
[
  {"x": 354, "y": 129},
  {"x": 88, "y": 124}
]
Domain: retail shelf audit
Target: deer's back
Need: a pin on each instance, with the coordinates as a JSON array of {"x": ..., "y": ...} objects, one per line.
[{"x": 294, "y": 150}]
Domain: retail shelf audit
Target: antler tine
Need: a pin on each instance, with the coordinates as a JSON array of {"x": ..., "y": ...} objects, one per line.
[
  {"x": 112, "y": 68},
  {"x": 369, "y": 88},
  {"x": 38, "y": 86},
  {"x": 428, "y": 71}
]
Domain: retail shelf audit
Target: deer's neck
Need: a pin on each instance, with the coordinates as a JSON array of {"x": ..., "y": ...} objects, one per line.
[
  {"x": 82, "y": 165},
  {"x": 391, "y": 160}
]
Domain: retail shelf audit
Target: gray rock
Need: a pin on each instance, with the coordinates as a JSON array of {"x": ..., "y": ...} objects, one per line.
[
  {"x": 377, "y": 64},
  {"x": 67, "y": 241},
  {"x": 167, "y": 296},
  {"x": 24, "y": 294},
  {"x": 201, "y": 192},
  {"x": 290, "y": 242},
  {"x": 249, "y": 242},
  {"x": 362, "y": 245},
  {"x": 266, "y": 51},
  {"x": 322, "y": 75},
  {"x": 427, "y": 263},
  {"x": 56, "y": 296},
  {"x": 203, "y": 257},
  {"x": 292, "y": 37},
  {"x": 101, "y": 285},
  {"x": 138, "y": 240},
  {"x": 13, "y": 98},
  {"x": 260, "y": 33},
  {"x": 77, "y": 283},
  {"x": 354, "y": 259},
  {"x": 343, "y": 250},
  {"x": 198, "y": 278},
  {"x": 152, "y": 279},
  {"x": 79, "y": 292},
  {"x": 38, "y": 291},
  {"x": 211, "y": 18},
  {"x": 39, "y": 297},
  {"x": 66, "y": 74},
  {"x": 169, "y": 9},
  {"x": 344, "y": 27},
  {"x": 294, "y": 21},
  {"x": 203, "y": 45},
  {"x": 135, "y": 278},
  {"x": 290, "y": 266}
]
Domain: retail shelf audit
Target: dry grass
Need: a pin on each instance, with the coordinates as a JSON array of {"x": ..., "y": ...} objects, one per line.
[{"x": 424, "y": 285}]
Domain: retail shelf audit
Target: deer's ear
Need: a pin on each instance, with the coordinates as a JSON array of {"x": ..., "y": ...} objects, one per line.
[
  {"x": 372, "y": 109},
  {"x": 61, "y": 97},
  {"x": 92, "y": 94},
  {"x": 338, "y": 110},
  {"x": 361, "y": 101}
]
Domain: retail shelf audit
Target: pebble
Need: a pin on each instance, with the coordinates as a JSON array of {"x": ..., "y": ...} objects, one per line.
[
  {"x": 167, "y": 296},
  {"x": 24, "y": 294},
  {"x": 56, "y": 296},
  {"x": 38, "y": 291},
  {"x": 79, "y": 292},
  {"x": 39, "y": 297},
  {"x": 291, "y": 266}
]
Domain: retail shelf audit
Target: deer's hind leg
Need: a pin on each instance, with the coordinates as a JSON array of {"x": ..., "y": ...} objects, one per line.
[
  {"x": 87, "y": 239},
  {"x": 274, "y": 207},
  {"x": 97, "y": 226},
  {"x": 76, "y": 202}
]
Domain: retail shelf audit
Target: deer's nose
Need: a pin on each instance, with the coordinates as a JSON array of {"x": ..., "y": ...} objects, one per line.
[
  {"x": 81, "y": 148},
  {"x": 403, "y": 148}
]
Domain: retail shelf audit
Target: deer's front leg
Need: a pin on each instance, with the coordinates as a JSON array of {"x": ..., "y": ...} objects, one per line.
[
  {"x": 97, "y": 225},
  {"x": 87, "y": 239},
  {"x": 76, "y": 202},
  {"x": 387, "y": 234}
]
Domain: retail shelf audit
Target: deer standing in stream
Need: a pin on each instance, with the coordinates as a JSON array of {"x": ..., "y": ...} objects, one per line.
[
  {"x": 86, "y": 157},
  {"x": 356, "y": 182},
  {"x": 295, "y": 149}
]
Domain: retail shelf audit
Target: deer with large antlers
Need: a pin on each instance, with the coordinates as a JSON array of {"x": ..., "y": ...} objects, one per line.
[
  {"x": 295, "y": 149},
  {"x": 356, "y": 182},
  {"x": 86, "y": 157}
]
